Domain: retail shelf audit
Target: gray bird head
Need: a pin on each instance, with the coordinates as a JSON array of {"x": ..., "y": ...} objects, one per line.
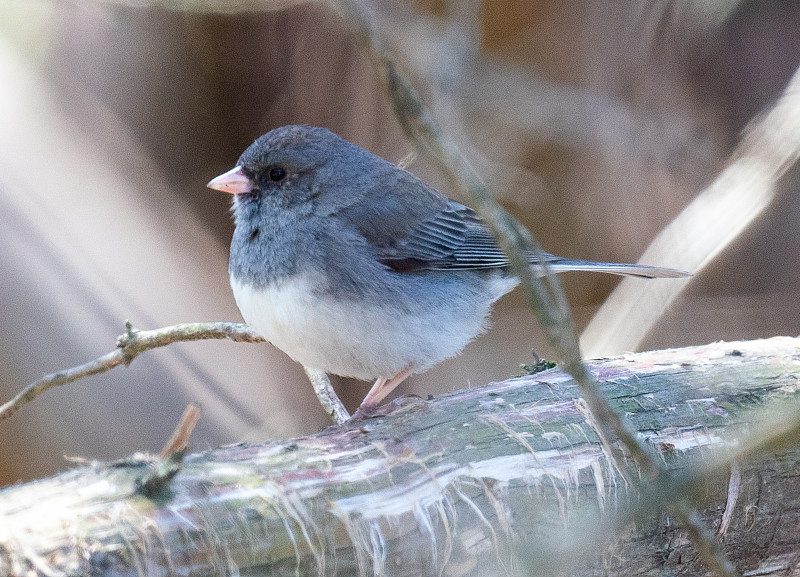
[{"x": 297, "y": 165}]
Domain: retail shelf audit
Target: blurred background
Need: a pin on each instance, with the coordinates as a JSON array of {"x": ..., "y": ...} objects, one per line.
[{"x": 594, "y": 123}]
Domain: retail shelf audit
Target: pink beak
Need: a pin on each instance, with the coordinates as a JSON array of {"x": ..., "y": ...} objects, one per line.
[{"x": 234, "y": 182}]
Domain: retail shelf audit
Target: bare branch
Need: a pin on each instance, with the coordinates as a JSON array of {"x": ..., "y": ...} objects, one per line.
[
  {"x": 463, "y": 484},
  {"x": 734, "y": 490},
  {"x": 153, "y": 482},
  {"x": 545, "y": 296},
  {"x": 180, "y": 437},
  {"x": 327, "y": 396},
  {"x": 129, "y": 346}
]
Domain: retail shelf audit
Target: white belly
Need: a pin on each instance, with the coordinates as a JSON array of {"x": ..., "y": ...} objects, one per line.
[{"x": 354, "y": 339}]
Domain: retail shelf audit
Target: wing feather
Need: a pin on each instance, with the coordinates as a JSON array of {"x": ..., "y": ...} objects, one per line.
[
  {"x": 424, "y": 230},
  {"x": 453, "y": 238}
]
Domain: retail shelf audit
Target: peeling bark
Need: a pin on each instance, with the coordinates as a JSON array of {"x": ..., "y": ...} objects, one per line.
[{"x": 484, "y": 481}]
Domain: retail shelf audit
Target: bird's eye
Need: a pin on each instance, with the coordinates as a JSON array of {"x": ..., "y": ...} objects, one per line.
[{"x": 277, "y": 173}]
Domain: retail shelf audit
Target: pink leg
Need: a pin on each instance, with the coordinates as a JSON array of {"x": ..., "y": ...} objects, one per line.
[{"x": 380, "y": 389}]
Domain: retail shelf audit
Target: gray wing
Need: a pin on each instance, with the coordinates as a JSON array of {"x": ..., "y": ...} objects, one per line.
[
  {"x": 424, "y": 230},
  {"x": 411, "y": 226},
  {"x": 453, "y": 238}
]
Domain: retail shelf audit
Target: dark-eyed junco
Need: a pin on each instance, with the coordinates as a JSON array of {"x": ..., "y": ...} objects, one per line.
[{"x": 354, "y": 266}]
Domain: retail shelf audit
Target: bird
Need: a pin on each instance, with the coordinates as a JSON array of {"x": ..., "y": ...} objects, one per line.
[{"x": 354, "y": 266}]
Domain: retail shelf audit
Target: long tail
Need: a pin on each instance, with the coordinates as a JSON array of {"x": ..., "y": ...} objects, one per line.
[{"x": 637, "y": 270}]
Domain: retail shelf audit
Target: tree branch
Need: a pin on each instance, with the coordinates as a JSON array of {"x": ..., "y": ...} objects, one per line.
[
  {"x": 545, "y": 296},
  {"x": 509, "y": 478},
  {"x": 129, "y": 346},
  {"x": 327, "y": 396}
]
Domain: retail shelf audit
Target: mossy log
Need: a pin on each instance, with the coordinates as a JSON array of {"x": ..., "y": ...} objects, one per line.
[{"x": 482, "y": 481}]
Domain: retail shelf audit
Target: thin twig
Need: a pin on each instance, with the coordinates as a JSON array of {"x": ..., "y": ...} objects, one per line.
[
  {"x": 707, "y": 545},
  {"x": 545, "y": 296},
  {"x": 129, "y": 346},
  {"x": 180, "y": 437},
  {"x": 157, "y": 478},
  {"x": 734, "y": 489},
  {"x": 771, "y": 429},
  {"x": 327, "y": 396}
]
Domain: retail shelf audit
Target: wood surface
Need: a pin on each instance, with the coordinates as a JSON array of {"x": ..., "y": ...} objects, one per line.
[{"x": 504, "y": 479}]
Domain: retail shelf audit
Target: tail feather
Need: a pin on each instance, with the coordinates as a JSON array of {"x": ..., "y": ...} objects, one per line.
[{"x": 623, "y": 269}]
